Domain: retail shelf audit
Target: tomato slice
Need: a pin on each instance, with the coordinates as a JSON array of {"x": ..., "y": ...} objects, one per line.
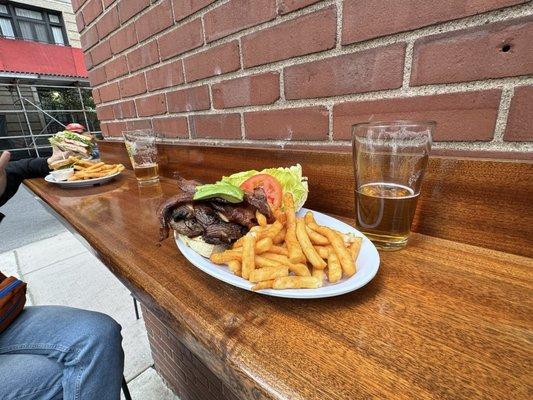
[{"x": 270, "y": 185}]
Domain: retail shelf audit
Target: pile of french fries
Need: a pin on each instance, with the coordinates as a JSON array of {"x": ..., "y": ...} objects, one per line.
[
  {"x": 84, "y": 169},
  {"x": 291, "y": 253}
]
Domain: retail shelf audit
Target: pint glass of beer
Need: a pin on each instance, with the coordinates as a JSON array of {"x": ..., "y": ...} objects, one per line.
[
  {"x": 390, "y": 159},
  {"x": 142, "y": 150}
]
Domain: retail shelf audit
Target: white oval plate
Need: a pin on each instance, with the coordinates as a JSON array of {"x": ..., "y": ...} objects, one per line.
[
  {"x": 367, "y": 266},
  {"x": 80, "y": 183}
]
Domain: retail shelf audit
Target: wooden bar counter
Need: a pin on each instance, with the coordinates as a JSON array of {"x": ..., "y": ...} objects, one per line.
[{"x": 448, "y": 317}]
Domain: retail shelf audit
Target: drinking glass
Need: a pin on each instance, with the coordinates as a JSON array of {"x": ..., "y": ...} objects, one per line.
[
  {"x": 142, "y": 150},
  {"x": 389, "y": 159}
]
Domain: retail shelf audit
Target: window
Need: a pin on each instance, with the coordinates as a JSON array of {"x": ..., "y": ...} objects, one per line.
[{"x": 31, "y": 23}]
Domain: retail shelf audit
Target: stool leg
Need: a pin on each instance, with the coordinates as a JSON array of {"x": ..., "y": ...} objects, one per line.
[
  {"x": 125, "y": 389},
  {"x": 136, "y": 307}
]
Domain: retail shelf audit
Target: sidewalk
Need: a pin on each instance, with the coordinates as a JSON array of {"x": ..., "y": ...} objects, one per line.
[{"x": 61, "y": 271}]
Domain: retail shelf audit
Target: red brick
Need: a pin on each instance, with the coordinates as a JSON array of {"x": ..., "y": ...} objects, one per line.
[
  {"x": 247, "y": 91},
  {"x": 308, "y": 123},
  {"x": 165, "y": 76},
  {"x": 132, "y": 85},
  {"x": 89, "y": 38},
  {"x": 307, "y": 34},
  {"x": 286, "y": 6},
  {"x": 181, "y": 39},
  {"x": 223, "y": 126},
  {"x": 192, "y": 99},
  {"x": 109, "y": 92},
  {"x": 91, "y": 10},
  {"x": 97, "y": 76},
  {"x": 124, "y": 109},
  {"x": 475, "y": 54},
  {"x": 172, "y": 127},
  {"x": 129, "y": 8},
  {"x": 80, "y": 24},
  {"x": 113, "y": 128},
  {"x": 76, "y": 4},
  {"x": 108, "y": 23},
  {"x": 216, "y": 61},
  {"x": 100, "y": 52},
  {"x": 105, "y": 113},
  {"x": 363, "y": 71},
  {"x": 143, "y": 56},
  {"x": 184, "y": 8},
  {"x": 139, "y": 124},
  {"x": 154, "y": 21},
  {"x": 123, "y": 39},
  {"x": 151, "y": 105},
  {"x": 236, "y": 15},
  {"x": 96, "y": 96},
  {"x": 464, "y": 116},
  {"x": 363, "y": 20},
  {"x": 117, "y": 67},
  {"x": 520, "y": 119},
  {"x": 87, "y": 59}
]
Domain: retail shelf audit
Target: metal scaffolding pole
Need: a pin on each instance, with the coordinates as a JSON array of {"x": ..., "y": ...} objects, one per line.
[
  {"x": 27, "y": 121},
  {"x": 83, "y": 108}
]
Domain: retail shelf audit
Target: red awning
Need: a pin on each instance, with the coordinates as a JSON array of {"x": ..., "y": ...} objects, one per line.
[{"x": 39, "y": 58}]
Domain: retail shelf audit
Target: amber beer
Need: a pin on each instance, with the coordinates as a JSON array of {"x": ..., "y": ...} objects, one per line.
[
  {"x": 148, "y": 172},
  {"x": 390, "y": 159},
  {"x": 385, "y": 212},
  {"x": 142, "y": 150}
]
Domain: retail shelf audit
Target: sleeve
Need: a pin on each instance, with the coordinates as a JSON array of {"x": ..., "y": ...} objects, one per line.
[{"x": 17, "y": 171}]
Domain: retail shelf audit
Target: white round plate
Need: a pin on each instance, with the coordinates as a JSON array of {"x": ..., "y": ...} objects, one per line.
[
  {"x": 367, "y": 266},
  {"x": 81, "y": 183}
]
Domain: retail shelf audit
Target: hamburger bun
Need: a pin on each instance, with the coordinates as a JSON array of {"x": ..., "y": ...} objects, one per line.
[{"x": 200, "y": 246}]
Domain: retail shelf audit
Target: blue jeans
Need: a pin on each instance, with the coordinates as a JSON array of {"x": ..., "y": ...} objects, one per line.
[{"x": 52, "y": 352}]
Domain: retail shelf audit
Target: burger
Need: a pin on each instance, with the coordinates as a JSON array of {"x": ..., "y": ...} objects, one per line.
[{"x": 210, "y": 217}]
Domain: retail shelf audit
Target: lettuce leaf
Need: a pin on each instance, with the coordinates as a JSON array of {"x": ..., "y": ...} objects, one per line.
[{"x": 291, "y": 180}]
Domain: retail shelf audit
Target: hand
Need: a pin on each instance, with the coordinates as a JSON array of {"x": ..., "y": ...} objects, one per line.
[{"x": 4, "y": 159}]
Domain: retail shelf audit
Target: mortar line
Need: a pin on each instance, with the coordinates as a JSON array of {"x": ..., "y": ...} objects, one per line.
[
  {"x": 503, "y": 113},
  {"x": 340, "y": 21},
  {"x": 408, "y": 63}
]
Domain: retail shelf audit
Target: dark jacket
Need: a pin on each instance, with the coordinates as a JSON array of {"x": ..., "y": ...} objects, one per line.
[{"x": 19, "y": 170}]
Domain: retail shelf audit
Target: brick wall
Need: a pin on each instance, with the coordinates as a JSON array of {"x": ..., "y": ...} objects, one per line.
[
  {"x": 300, "y": 72},
  {"x": 183, "y": 372}
]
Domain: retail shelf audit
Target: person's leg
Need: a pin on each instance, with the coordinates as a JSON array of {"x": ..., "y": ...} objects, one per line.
[
  {"x": 30, "y": 377},
  {"x": 86, "y": 344}
]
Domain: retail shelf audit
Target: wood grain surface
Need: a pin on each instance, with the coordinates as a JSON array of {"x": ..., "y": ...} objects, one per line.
[
  {"x": 480, "y": 202},
  {"x": 441, "y": 319}
]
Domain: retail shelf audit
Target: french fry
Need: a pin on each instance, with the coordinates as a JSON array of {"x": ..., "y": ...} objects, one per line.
[
  {"x": 309, "y": 218},
  {"x": 355, "y": 247},
  {"x": 272, "y": 231},
  {"x": 307, "y": 247},
  {"x": 280, "y": 258},
  {"x": 279, "y": 250},
  {"x": 296, "y": 254},
  {"x": 248, "y": 254},
  {"x": 257, "y": 229},
  {"x": 261, "y": 219},
  {"x": 299, "y": 269},
  {"x": 235, "y": 267},
  {"x": 323, "y": 251},
  {"x": 334, "y": 268},
  {"x": 94, "y": 166},
  {"x": 280, "y": 237},
  {"x": 315, "y": 237},
  {"x": 226, "y": 256},
  {"x": 319, "y": 274},
  {"x": 263, "y": 245},
  {"x": 268, "y": 273},
  {"x": 263, "y": 262},
  {"x": 263, "y": 285},
  {"x": 345, "y": 259},
  {"x": 279, "y": 215},
  {"x": 296, "y": 282}
]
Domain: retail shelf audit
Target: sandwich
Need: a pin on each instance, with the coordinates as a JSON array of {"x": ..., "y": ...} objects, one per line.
[
  {"x": 211, "y": 217},
  {"x": 73, "y": 143}
]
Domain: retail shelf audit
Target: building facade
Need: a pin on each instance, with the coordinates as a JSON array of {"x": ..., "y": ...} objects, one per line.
[{"x": 43, "y": 77}]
